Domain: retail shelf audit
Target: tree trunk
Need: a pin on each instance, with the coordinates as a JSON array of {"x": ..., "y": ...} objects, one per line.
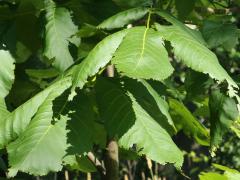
[{"x": 111, "y": 160}]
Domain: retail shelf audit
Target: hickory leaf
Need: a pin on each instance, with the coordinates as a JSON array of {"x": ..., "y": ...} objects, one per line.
[
  {"x": 41, "y": 147},
  {"x": 194, "y": 54},
  {"x": 81, "y": 115},
  {"x": 223, "y": 111},
  {"x": 151, "y": 139},
  {"x": 217, "y": 34},
  {"x": 151, "y": 102},
  {"x": 6, "y": 73},
  {"x": 59, "y": 30},
  {"x": 123, "y": 18},
  {"x": 189, "y": 46},
  {"x": 184, "y": 120},
  {"x": 115, "y": 107},
  {"x": 16, "y": 122},
  {"x": 142, "y": 55},
  {"x": 96, "y": 59}
]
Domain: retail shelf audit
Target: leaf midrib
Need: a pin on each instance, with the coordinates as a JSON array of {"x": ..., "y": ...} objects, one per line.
[
  {"x": 38, "y": 142},
  {"x": 142, "y": 51}
]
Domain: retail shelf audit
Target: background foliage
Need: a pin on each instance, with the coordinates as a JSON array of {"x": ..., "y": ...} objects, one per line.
[{"x": 172, "y": 106}]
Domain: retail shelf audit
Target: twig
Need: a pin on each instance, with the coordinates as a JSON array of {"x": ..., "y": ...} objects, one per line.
[
  {"x": 66, "y": 175},
  {"x": 89, "y": 177},
  {"x": 97, "y": 164}
]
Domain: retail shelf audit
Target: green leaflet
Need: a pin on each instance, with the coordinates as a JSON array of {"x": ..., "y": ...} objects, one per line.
[
  {"x": 97, "y": 58},
  {"x": 3, "y": 109},
  {"x": 184, "y": 7},
  {"x": 194, "y": 54},
  {"x": 6, "y": 80},
  {"x": 42, "y": 73},
  {"x": 115, "y": 107},
  {"x": 217, "y": 34},
  {"x": 212, "y": 176},
  {"x": 59, "y": 29},
  {"x": 229, "y": 174},
  {"x": 190, "y": 47},
  {"x": 81, "y": 121},
  {"x": 196, "y": 84},
  {"x": 81, "y": 125},
  {"x": 142, "y": 55},
  {"x": 151, "y": 139},
  {"x": 16, "y": 122},
  {"x": 133, "y": 3},
  {"x": 6, "y": 73},
  {"x": 41, "y": 147},
  {"x": 132, "y": 122},
  {"x": 162, "y": 105},
  {"x": 223, "y": 111},
  {"x": 178, "y": 24},
  {"x": 236, "y": 127},
  {"x": 81, "y": 163},
  {"x": 147, "y": 97},
  {"x": 184, "y": 120},
  {"x": 121, "y": 19},
  {"x": 27, "y": 31}
]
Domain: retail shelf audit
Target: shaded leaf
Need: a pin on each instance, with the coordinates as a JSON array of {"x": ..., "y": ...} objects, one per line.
[
  {"x": 133, "y": 3},
  {"x": 80, "y": 125},
  {"x": 184, "y": 120},
  {"x": 151, "y": 139},
  {"x": 196, "y": 84},
  {"x": 27, "y": 27},
  {"x": 115, "y": 107},
  {"x": 79, "y": 163},
  {"x": 184, "y": 7},
  {"x": 123, "y": 18},
  {"x": 217, "y": 34},
  {"x": 42, "y": 73},
  {"x": 223, "y": 111},
  {"x": 22, "y": 53},
  {"x": 151, "y": 102},
  {"x": 100, "y": 135}
]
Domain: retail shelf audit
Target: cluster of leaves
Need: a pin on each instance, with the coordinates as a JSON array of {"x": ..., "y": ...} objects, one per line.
[{"x": 56, "y": 106}]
